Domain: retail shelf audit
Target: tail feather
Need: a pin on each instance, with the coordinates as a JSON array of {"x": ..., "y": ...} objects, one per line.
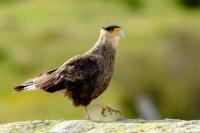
[
  {"x": 19, "y": 88},
  {"x": 42, "y": 81},
  {"x": 25, "y": 87}
]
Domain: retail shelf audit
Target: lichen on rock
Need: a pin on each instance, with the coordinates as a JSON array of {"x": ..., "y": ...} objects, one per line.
[{"x": 117, "y": 126}]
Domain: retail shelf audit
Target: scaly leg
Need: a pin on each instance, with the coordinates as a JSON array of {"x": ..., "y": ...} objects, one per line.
[{"x": 87, "y": 113}]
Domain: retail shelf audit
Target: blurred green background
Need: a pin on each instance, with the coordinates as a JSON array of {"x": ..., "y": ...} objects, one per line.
[{"x": 157, "y": 71}]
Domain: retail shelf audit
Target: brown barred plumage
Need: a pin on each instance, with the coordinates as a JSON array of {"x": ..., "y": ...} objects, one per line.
[{"x": 83, "y": 77}]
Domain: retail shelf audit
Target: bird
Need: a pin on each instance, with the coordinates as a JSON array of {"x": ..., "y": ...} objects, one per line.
[{"x": 83, "y": 77}]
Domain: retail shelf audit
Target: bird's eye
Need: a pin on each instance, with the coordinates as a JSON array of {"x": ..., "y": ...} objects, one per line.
[{"x": 110, "y": 29}]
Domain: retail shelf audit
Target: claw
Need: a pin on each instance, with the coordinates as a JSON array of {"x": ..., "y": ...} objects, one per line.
[
  {"x": 118, "y": 112},
  {"x": 110, "y": 110},
  {"x": 103, "y": 112}
]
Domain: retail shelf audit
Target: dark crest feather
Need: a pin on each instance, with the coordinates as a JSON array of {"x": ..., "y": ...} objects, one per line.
[{"x": 110, "y": 28}]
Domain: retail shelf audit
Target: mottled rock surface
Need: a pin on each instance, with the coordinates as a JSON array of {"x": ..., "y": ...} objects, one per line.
[{"x": 118, "y": 126}]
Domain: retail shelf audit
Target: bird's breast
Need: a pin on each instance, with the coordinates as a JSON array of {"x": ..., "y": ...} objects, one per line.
[{"x": 104, "y": 77}]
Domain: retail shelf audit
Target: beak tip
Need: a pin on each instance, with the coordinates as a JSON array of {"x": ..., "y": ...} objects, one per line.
[{"x": 122, "y": 33}]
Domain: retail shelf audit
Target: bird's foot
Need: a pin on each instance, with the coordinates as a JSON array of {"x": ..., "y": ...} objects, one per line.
[{"x": 108, "y": 109}]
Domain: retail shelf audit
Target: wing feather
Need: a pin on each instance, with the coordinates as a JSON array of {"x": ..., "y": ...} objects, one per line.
[{"x": 74, "y": 72}]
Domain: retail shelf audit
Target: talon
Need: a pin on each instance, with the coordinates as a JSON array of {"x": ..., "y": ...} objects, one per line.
[
  {"x": 118, "y": 112},
  {"x": 109, "y": 110},
  {"x": 104, "y": 115},
  {"x": 103, "y": 112}
]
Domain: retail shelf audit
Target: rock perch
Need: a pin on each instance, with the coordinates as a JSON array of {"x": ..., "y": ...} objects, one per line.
[{"x": 119, "y": 126}]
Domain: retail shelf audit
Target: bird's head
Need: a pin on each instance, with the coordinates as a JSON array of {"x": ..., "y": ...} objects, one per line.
[{"x": 112, "y": 34}]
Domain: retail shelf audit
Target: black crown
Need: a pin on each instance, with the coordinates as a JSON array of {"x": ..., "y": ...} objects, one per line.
[{"x": 111, "y": 27}]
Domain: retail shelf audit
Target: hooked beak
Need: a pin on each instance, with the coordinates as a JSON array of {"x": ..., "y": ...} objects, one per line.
[{"x": 122, "y": 33}]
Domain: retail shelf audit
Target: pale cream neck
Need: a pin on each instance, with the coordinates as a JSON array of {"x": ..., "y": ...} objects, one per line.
[{"x": 108, "y": 38}]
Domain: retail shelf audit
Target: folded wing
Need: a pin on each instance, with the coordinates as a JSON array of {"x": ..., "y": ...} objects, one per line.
[{"x": 78, "y": 72}]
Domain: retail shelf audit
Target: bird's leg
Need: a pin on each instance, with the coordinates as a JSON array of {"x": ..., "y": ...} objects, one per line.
[
  {"x": 87, "y": 113},
  {"x": 109, "y": 109}
]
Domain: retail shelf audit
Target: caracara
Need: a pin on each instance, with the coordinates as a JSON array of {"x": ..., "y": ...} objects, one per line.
[{"x": 83, "y": 77}]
